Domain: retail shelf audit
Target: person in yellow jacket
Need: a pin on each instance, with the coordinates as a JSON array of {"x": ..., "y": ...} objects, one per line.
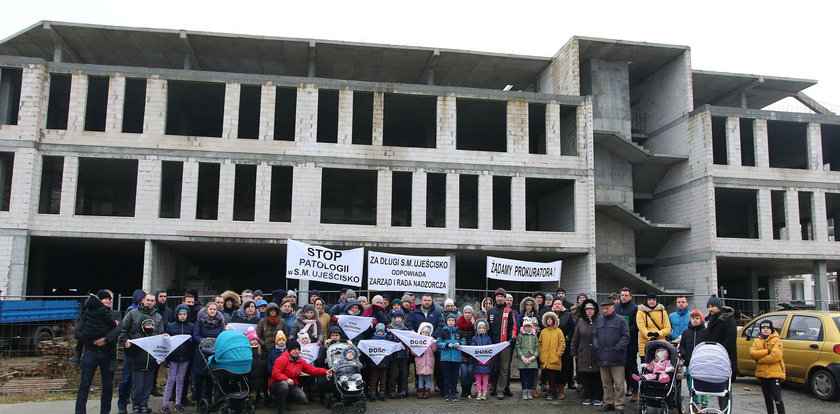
[
  {"x": 767, "y": 352},
  {"x": 652, "y": 321},
  {"x": 552, "y": 346}
]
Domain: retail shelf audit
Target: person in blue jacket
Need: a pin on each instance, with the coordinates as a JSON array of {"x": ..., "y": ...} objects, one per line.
[
  {"x": 178, "y": 361},
  {"x": 450, "y": 357},
  {"x": 679, "y": 318}
]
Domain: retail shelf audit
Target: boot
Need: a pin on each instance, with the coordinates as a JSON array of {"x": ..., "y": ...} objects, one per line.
[
  {"x": 535, "y": 394},
  {"x": 525, "y": 394},
  {"x": 381, "y": 395},
  {"x": 428, "y": 393},
  {"x": 634, "y": 397},
  {"x": 561, "y": 392},
  {"x": 549, "y": 394}
]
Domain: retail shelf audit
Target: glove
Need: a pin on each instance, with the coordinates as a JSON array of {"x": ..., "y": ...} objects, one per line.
[
  {"x": 450, "y": 345},
  {"x": 655, "y": 335},
  {"x": 769, "y": 351},
  {"x": 456, "y": 345}
]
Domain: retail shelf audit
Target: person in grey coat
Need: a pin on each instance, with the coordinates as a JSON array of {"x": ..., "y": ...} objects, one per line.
[
  {"x": 610, "y": 339},
  {"x": 581, "y": 346}
]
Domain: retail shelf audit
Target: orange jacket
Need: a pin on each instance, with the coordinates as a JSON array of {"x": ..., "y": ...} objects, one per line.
[{"x": 767, "y": 354}]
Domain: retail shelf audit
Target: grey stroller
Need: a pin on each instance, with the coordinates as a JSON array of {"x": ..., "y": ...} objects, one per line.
[{"x": 711, "y": 375}]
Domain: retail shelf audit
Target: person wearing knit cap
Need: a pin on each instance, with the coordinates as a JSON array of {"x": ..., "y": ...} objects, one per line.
[
  {"x": 449, "y": 306},
  {"x": 691, "y": 337},
  {"x": 258, "y": 295},
  {"x": 284, "y": 383},
  {"x": 466, "y": 329},
  {"x": 278, "y": 349},
  {"x": 292, "y": 295},
  {"x": 277, "y": 295},
  {"x": 407, "y": 303},
  {"x": 502, "y": 328},
  {"x": 652, "y": 321},
  {"x": 262, "y": 305},
  {"x": 767, "y": 352},
  {"x": 96, "y": 333},
  {"x": 314, "y": 294},
  {"x": 721, "y": 328}
]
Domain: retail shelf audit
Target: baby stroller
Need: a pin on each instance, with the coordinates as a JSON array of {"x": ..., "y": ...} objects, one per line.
[
  {"x": 663, "y": 387},
  {"x": 228, "y": 361},
  {"x": 711, "y": 375},
  {"x": 347, "y": 384}
]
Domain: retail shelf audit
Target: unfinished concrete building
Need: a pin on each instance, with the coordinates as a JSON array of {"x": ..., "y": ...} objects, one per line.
[{"x": 163, "y": 158}]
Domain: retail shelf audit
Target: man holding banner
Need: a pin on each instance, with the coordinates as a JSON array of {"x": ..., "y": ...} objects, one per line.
[{"x": 502, "y": 329}]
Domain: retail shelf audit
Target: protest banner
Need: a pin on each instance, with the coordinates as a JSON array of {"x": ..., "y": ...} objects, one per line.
[
  {"x": 378, "y": 349},
  {"x": 418, "y": 343},
  {"x": 307, "y": 262},
  {"x": 240, "y": 327},
  {"x": 395, "y": 272},
  {"x": 309, "y": 352},
  {"x": 354, "y": 325},
  {"x": 483, "y": 353},
  {"x": 517, "y": 270},
  {"x": 160, "y": 346}
]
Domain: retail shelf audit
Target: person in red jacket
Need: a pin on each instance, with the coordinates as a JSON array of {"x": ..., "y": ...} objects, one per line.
[{"x": 284, "y": 382}]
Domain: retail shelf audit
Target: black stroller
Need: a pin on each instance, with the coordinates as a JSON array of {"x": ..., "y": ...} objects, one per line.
[
  {"x": 228, "y": 361},
  {"x": 663, "y": 395},
  {"x": 347, "y": 386}
]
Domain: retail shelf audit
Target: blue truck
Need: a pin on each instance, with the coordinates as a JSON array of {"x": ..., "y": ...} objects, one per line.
[{"x": 25, "y": 324}]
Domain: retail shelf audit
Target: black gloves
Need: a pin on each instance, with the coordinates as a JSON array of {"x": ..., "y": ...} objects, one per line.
[{"x": 653, "y": 335}]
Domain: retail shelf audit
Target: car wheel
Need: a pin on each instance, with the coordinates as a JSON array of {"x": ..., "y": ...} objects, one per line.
[{"x": 824, "y": 385}]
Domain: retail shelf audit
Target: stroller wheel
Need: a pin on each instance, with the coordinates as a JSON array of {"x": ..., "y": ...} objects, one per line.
[
  {"x": 337, "y": 408},
  {"x": 359, "y": 407},
  {"x": 250, "y": 408},
  {"x": 664, "y": 409},
  {"x": 328, "y": 400},
  {"x": 224, "y": 409},
  {"x": 203, "y": 406},
  {"x": 642, "y": 408}
]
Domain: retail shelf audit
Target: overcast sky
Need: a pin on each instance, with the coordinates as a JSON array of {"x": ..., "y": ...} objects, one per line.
[{"x": 797, "y": 39}]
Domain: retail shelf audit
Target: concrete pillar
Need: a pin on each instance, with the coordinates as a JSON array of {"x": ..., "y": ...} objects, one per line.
[
  {"x": 147, "y": 266},
  {"x": 78, "y": 102},
  {"x": 820, "y": 217},
  {"x": 754, "y": 288},
  {"x": 552, "y": 129},
  {"x": 453, "y": 202},
  {"x": 147, "y": 202},
  {"x": 446, "y": 122},
  {"x": 762, "y": 154},
  {"x": 517, "y": 208},
  {"x": 262, "y": 205},
  {"x": 33, "y": 101},
  {"x": 485, "y": 201},
  {"x": 815, "y": 154},
  {"x": 765, "y": 215},
  {"x": 378, "y": 118},
  {"x": 418, "y": 199},
  {"x": 189, "y": 190},
  {"x": 69, "y": 179},
  {"x": 116, "y": 104},
  {"x": 306, "y": 193},
  {"x": 345, "y": 116},
  {"x": 820, "y": 284},
  {"x": 384, "y": 196},
  {"x": 303, "y": 291},
  {"x": 733, "y": 141},
  {"x": 517, "y": 127},
  {"x": 453, "y": 280},
  {"x": 227, "y": 180},
  {"x": 16, "y": 255},
  {"x": 306, "y": 120},
  {"x": 268, "y": 102},
  {"x": 25, "y": 184},
  {"x": 230, "y": 118},
  {"x": 154, "y": 116},
  {"x": 792, "y": 214}
]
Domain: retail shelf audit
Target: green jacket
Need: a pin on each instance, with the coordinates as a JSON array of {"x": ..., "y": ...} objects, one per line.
[{"x": 527, "y": 346}]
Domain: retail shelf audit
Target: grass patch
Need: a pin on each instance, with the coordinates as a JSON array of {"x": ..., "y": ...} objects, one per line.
[{"x": 36, "y": 396}]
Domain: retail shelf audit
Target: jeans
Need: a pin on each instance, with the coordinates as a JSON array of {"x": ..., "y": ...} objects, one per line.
[
  {"x": 141, "y": 387},
  {"x": 424, "y": 381},
  {"x": 90, "y": 361},
  {"x": 398, "y": 376},
  {"x": 282, "y": 392},
  {"x": 467, "y": 376},
  {"x": 124, "y": 389},
  {"x": 175, "y": 380},
  {"x": 528, "y": 377},
  {"x": 450, "y": 378}
]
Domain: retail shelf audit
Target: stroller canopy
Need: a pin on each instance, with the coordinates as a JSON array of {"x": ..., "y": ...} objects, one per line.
[
  {"x": 232, "y": 353},
  {"x": 710, "y": 362}
]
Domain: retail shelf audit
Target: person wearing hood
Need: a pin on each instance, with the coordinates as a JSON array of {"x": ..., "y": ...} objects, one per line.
[
  {"x": 97, "y": 332},
  {"x": 247, "y": 313},
  {"x": 652, "y": 321},
  {"x": 142, "y": 322},
  {"x": 268, "y": 327},
  {"x": 450, "y": 357},
  {"x": 588, "y": 371},
  {"x": 767, "y": 352},
  {"x": 287, "y": 312},
  {"x": 466, "y": 328},
  {"x": 379, "y": 372},
  {"x": 721, "y": 328},
  {"x": 307, "y": 321},
  {"x": 525, "y": 353},
  {"x": 124, "y": 387},
  {"x": 503, "y": 328},
  {"x": 692, "y": 336},
  {"x": 566, "y": 323},
  {"x": 341, "y": 307},
  {"x": 398, "y": 367},
  {"x": 262, "y": 305},
  {"x": 179, "y": 360},
  {"x": 528, "y": 308},
  {"x": 210, "y": 324},
  {"x": 377, "y": 311},
  {"x": 424, "y": 365},
  {"x": 679, "y": 318},
  {"x": 552, "y": 347},
  {"x": 232, "y": 302},
  {"x": 482, "y": 369}
]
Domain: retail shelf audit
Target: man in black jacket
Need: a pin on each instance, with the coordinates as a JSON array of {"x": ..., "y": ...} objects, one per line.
[
  {"x": 97, "y": 331},
  {"x": 721, "y": 328},
  {"x": 502, "y": 328}
]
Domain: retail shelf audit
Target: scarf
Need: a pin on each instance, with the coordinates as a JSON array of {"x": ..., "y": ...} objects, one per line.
[
  {"x": 397, "y": 325},
  {"x": 309, "y": 325},
  {"x": 273, "y": 320},
  {"x": 281, "y": 348},
  {"x": 505, "y": 316}
]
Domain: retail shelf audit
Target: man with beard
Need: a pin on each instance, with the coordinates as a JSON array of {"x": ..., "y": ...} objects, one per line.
[
  {"x": 721, "y": 328},
  {"x": 502, "y": 328}
]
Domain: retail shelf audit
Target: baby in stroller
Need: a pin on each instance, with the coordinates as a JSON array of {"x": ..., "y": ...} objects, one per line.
[
  {"x": 348, "y": 385},
  {"x": 658, "y": 369},
  {"x": 349, "y": 369}
]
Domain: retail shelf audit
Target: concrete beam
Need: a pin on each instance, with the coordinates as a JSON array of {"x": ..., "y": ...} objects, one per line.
[
  {"x": 812, "y": 104},
  {"x": 190, "y": 59},
  {"x": 61, "y": 45},
  {"x": 429, "y": 70},
  {"x": 311, "y": 71},
  {"x": 737, "y": 93}
]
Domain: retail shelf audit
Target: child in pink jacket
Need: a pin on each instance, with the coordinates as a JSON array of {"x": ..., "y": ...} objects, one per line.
[{"x": 424, "y": 365}]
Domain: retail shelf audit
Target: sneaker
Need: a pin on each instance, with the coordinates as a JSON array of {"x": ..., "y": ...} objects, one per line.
[
  {"x": 179, "y": 408},
  {"x": 598, "y": 402},
  {"x": 75, "y": 359},
  {"x": 607, "y": 407},
  {"x": 587, "y": 402},
  {"x": 122, "y": 410},
  {"x": 454, "y": 398},
  {"x": 500, "y": 396},
  {"x": 164, "y": 410},
  {"x": 446, "y": 399}
]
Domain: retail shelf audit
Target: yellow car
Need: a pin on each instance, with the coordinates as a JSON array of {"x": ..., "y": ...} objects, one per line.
[{"x": 811, "y": 343}]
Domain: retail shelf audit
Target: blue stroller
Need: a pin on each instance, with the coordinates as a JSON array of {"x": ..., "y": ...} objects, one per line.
[{"x": 228, "y": 358}]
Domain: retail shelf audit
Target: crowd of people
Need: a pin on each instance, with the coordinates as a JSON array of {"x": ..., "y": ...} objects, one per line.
[{"x": 556, "y": 345}]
